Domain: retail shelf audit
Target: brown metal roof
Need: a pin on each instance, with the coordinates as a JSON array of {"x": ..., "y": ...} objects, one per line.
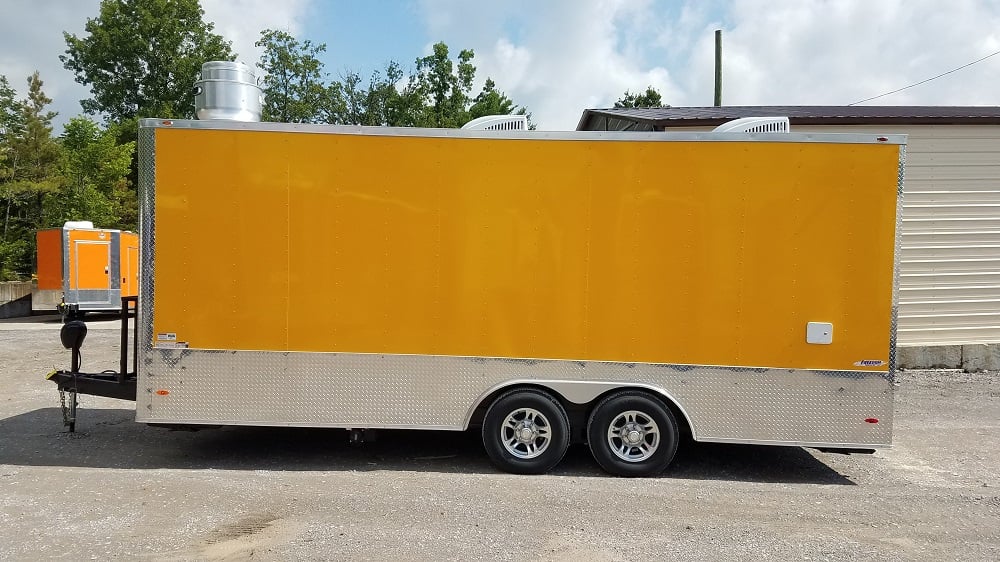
[{"x": 657, "y": 118}]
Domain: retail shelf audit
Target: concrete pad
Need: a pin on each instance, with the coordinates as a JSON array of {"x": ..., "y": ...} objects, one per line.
[
  {"x": 930, "y": 357},
  {"x": 981, "y": 357}
]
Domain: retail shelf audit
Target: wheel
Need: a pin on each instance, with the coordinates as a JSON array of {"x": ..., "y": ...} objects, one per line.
[
  {"x": 632, "y": 434},
  {"x": 526, "y": 432}
]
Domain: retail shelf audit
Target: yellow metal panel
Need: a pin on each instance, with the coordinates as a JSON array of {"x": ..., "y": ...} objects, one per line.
[{"x": 679, "y": 252}]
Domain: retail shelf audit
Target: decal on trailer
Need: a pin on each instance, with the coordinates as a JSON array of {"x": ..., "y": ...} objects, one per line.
[{"x": 869, "y": 363}]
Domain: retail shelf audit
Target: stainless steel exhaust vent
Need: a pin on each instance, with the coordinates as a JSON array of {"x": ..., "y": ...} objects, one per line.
[{"x": 227, "y": 90}]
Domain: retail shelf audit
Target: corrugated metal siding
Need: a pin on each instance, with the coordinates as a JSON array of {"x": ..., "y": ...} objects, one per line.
[{"x": 950, "y": 264}]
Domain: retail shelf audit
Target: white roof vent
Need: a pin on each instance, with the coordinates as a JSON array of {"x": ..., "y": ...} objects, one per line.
[
  {"x": 498, "y": 123},
  {"x": 70, "y": 225},
  {"x": 755, "y": 125}
]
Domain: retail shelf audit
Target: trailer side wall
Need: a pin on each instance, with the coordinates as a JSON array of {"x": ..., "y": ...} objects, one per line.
[
  {"x": 345, "y": 277},
  {"x": 694, "y": 253}
]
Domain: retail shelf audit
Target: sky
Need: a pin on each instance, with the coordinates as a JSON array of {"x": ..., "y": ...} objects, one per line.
[{"x": 560, "y": 57}]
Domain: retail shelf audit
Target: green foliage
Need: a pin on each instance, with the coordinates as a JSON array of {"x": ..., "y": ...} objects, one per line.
[
  {"x": 10, "y": 113},
  {"x": 11, "y": 125},
  {"x": 45, "y": 181},
  {"x": 382, "y": 102},
  {"x": 649, "y": 98},
  {"x": 293, "y": 86},
  {"x": 34, "y": 149},
  {"x": 436, "y": 94},
  {"x": 14, "y": 253},
  {"x": 31, "y": 159},
  {"x": 492, "y": 101},
  {"x": 141, "y": 57},
  {"x": 446, "y": 86},
  {"x": 93, "y": 172}
]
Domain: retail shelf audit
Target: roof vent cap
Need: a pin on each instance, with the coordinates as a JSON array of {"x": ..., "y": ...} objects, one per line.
[
  {"x": 498, "y": 123},
  {"x": 755, "y": 125},
  {"x": 70, "y": 225}
]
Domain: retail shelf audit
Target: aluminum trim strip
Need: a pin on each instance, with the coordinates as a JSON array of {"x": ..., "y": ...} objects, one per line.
[
  {"x": 896, "y": 261},
  {"x": 114, "y": 262},
  {"x": 687, "y": 366},
  {"x": 147, "y": 238},
  {"x": 834, "y": 138},
  {"x": 798, "y": 443},
  {"x": 577, "y": 392},
  {"x": 65, "y": 261}
]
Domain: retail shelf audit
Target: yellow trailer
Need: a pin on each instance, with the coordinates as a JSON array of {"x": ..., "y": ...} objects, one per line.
[{"x": 620, "y": 289}]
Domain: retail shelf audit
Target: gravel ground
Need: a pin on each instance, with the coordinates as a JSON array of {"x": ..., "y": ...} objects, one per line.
[{"x": 122, "y": 490}]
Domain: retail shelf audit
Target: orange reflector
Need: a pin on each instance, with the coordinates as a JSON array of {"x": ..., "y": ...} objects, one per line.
[
  {"x": 167, "y": 122},
  {"x": 163, "y": 392},
  {"x": 871, "y": 420}
]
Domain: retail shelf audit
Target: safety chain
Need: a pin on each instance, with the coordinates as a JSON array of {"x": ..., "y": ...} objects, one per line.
[
  {"x": 62, "y": 406},
  {"x": 68, "y": 421}
]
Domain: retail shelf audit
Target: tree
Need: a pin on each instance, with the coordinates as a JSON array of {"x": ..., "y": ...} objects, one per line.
[
  {"x": 141, "y": 57},
  {"x": 93, "y": 178},
  {"x": 492, "y": 101},
  {"x": 293, "y": 84},
  {"x": 11, "y": 125},
  {"x": 446, "y": 86},
  {"x": 10, "y": 113},
  {"x": 649, "y": 98},
  {"x": 31, "y": 171},
  {"x": 436, "y": 94},
  {"x": 384, "y": 102}
]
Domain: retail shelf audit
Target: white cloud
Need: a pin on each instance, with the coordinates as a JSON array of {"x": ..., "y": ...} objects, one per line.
[
  {"x": 790, "y": 52},
  {"x": 563, "y": 57},
  {"x": 241, "y": 21},
  {"x": 26, "y": 47}
]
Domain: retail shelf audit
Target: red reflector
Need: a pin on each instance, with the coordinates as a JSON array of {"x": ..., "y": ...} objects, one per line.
[
  {"x": 882, "y": 139},
  {"x": 871, "y": 420},
  {"x": 162, "y": 392},
  {"x": 167, "y": 122}
]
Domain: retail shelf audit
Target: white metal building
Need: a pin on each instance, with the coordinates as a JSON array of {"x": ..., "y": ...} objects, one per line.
[{"x": 950, "y": 261}]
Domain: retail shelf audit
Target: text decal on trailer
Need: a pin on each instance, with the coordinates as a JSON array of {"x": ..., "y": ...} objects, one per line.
[{"x": 869, "y": 363}]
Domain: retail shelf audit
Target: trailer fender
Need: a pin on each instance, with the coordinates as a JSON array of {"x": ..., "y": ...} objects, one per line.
[{"x": 577, "y": 392}]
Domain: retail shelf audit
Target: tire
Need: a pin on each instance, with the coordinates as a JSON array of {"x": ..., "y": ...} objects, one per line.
[
  {"x": 544, "y": 426},
  {"x": 649, "y": 448}
]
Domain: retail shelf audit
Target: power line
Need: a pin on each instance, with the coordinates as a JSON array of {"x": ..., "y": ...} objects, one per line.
[{"x": 928, "y": 80}]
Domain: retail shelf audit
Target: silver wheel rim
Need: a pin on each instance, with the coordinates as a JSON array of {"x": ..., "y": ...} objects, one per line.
[
  {"x": 525, "y": 433},
  {"x": 633, "y": 436}
]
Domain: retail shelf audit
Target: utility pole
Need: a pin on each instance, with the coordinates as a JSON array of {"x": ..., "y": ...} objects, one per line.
[{"x": 718, "y": 68}]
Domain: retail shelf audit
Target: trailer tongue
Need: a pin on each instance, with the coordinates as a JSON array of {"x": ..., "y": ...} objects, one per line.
[{"x": 119, "y": 384}]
